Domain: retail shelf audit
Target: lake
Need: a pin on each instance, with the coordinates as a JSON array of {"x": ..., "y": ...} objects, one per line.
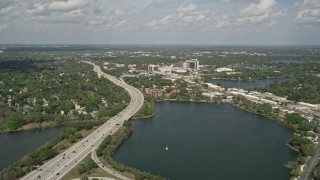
[
  {"x": 14, "y": 145},
  {"x": 207, "y": 141}
]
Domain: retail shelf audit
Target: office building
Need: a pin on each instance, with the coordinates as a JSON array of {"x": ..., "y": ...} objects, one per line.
[{"x": 192, "y": 64}]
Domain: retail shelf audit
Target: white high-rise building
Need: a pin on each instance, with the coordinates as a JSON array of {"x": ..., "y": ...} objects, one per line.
[
  {"x": 192, "y": 64},
  {"x": 151, "y": 68}
]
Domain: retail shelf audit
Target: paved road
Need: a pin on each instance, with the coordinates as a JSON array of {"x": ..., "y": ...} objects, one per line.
[
  {"x": 313, "y": 161},
  {"x": 57, "y": 167},
  {"x": 109, "y": 170}
]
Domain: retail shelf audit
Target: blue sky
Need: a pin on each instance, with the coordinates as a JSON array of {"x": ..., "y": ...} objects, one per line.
[{"x": 218, "y": 22}]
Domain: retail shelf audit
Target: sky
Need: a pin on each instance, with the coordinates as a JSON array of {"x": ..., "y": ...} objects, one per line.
[{"x": 216, "y": 22}]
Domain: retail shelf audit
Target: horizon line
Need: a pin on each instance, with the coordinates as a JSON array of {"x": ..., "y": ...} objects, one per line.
[{"x": 152, "y": 44}]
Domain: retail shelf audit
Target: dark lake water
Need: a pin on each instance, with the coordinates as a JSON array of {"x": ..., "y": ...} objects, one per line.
[
  {"x": 15, "y": 145},
  {"x": 207, "y": 141},
  {"x": 256, "y": 84}
]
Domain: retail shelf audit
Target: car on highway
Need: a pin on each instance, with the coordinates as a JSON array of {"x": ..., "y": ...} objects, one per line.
[{"x": 81, "y": 149}]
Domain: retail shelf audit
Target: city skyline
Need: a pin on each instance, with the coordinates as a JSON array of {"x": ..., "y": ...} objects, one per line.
[{"x": 220, "y": 22}]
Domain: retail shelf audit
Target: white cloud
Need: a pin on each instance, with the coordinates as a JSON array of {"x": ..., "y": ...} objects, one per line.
[
  {"x": 6, "y": 10},
  {"x": 234, "y": 2},
  {"x": 263, "y": 7},
  {"x": 67, "y": 5},
  {"x": 187, "y": 8},
  {"x": 3, "y": 26},
  {"x": 37, "y": 8},
  {"x": 311, "y": 3},
  {"x": 156, "y": 23},
  {"x": 308, "y": 16},
  {"x": 158, "y": 3},
  {"x": 119, "y": 12},
  {"x": 188, "y": 13},
  {"x": 278, "y": 14},
  {"x": 74, "y": 13},
  {"x": 97, "y": 21},
  {"x": 309, "y": 13},
  {"x": 121, "y": 23},
  {"x": 260, "y": 13},
  {"x": 114, "y": 19},
  {"x": 222, "y": 23},
  {"x": 253, "y": 19},
  {"x": 194, "y": 18}
]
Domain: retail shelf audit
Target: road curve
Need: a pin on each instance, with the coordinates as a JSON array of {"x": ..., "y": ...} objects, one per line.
[
  {"x": 107, "y": 169},
  {"x": 57, "y": 167}
]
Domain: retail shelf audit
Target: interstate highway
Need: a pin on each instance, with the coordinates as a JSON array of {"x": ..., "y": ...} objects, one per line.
[{"x": 57, "y": 167}]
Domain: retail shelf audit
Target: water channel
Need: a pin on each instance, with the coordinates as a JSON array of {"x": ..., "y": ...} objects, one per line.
[
  {"x": 256, "y": 84},
  {"x": 15, "y": 145},
  {"x": 207, "y": 141}
]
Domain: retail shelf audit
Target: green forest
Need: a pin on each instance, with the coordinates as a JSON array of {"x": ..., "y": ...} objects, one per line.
[
  {"x": 306, "y": 89},
  {"x": 48, "y": 89}
]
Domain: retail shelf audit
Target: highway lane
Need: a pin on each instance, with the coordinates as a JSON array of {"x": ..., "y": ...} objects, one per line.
[{"x": 62, "y": 163}]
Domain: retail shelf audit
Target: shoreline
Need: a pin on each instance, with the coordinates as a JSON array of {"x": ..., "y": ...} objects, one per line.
[
  {"x": 255, "y": 80},
  {"x": 46, "y": 125},
  {"x": 262, "y": 78},
  {"x": 277, "y": 119},
  {"x": 173, "y": 100},
  {"x": 287, "y": 165},
  {"x": 41, "y": 126},
  {"x": 145, "y": 117}
]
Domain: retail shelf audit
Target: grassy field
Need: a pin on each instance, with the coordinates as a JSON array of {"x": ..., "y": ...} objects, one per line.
[
  {"x": 125, "y": 173},
  {"x": 65, "y": 144},
  {"x": 98, "y": 172}
]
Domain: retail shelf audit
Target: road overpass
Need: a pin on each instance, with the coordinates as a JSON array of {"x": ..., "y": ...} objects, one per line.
[{"x": 57, "y": 167}]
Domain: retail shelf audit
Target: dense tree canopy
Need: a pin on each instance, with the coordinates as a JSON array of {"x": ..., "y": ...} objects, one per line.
[
  {"x": 306, "y": 89},
  {"x": 49, "y": 87}
]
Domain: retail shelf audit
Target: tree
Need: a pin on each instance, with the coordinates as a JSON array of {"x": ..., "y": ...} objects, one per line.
[
  {"x": 14, "y": 121},
  {"x": 36, "y": 117},
  {"x": 264, "y": 109},
  {"x": 38, "y": 108},
  {"x": 298, "y": 141},
  {"x": 87, "y": 166},
  {"x": 102, "y": 112},
  {"x": 304, "y": 126},
  {"x": 293, "y": 118},
  {"x": 84, "y": 177},
  {"x": 77, "y": 135},
  {"x": 90, "y": 164},
  {"x": 308, "y": 149}
]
